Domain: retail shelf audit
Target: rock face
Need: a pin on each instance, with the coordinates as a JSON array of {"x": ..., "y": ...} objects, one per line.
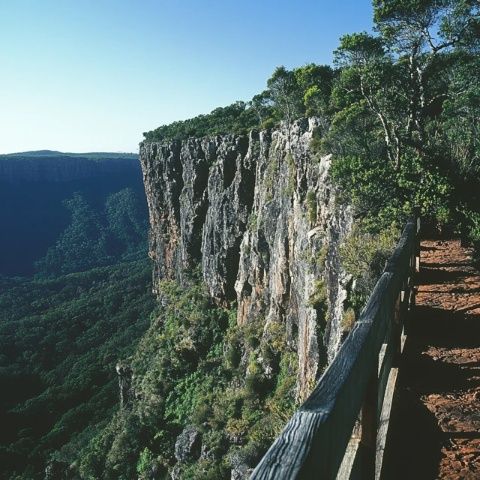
[
  {"x": 258, "y": 215},
  {"x": 124, "y": 376},
  {"x": 188, "y": 444}
]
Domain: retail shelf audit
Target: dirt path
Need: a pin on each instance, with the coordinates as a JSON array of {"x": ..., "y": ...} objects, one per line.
[{"x": 436, "y": 431}]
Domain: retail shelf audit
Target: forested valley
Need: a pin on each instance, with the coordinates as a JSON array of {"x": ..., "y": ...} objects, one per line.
[{"x": 75, "y": 294}]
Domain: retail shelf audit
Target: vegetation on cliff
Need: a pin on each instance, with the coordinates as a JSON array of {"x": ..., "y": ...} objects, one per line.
[
  {"x": 400, "y": 113},
  {"x": 190, "y": 370},
  {"x": 60, "y": 339},
  {"x": 290, "y": 94}
]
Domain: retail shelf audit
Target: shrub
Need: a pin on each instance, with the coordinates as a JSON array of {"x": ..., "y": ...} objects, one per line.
[
  {"x": 318, "y": 298},
  {"x": 145, "y": 463},
  {"x": 348, "y": 319},
  {"x": 363, "y": 256},
  {"x": 312, "y": 206}
]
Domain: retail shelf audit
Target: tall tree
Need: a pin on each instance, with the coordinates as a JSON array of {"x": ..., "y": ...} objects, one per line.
[
  {"x": 417, "y": 32},
  {"x": 370, "y": 76},
  {"x": 284, "y": 91}
]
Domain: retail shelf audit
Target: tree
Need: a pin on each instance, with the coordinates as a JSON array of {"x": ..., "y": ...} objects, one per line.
[
  {"x": 369, "y": 75},
  {"x": 262, "y": 105},
  {"x": 126, "y": 221},
  {"x": 315, "y": 84},
  {"x": 284, "y": 91},
  {"x": 81, "y": 246},
  {"x": 417, "y": 32}
]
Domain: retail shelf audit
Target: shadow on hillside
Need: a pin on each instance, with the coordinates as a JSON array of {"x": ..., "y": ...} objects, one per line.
[
  {"x": 416, "y": 440},
  {"x": 429, "y": 276},
  {"x": 444, "y": 328}
]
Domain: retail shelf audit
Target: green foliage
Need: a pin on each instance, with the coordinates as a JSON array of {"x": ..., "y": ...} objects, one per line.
[
  {"x": 291, "y": 94},
  {"x": 472, "y": 220},
  {"x": 368, "y": 185},
  {"x": 363, "y": 256},
  {"x": 60, "y": 339},
  {"x": 312, "y": 206},
  {"x": 253, "y": 221},
  {"x": 184, "y": 374},
  {"x": 318, "y": 298},
  {"x": 321, "y": 257},
  {"x": 237, "y": 118},
  {"x": 97, "y": 237},
  {"x": 405, "y": 128},
  {"x": 144, "y": 464},
  {"x": 81, "y": 245},
  {"x": 126, "y": 222},
  {"x": 285, "y": 93}
]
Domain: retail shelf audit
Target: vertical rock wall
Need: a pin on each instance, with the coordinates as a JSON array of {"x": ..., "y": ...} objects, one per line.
[{"x": 258, "y": 215}]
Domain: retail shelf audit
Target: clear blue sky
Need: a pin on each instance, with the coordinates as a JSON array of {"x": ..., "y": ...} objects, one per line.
[{"x": 92, "y": 75}]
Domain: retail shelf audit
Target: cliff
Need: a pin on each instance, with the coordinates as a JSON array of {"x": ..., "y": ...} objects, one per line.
[{"x": 258, "y": 215}]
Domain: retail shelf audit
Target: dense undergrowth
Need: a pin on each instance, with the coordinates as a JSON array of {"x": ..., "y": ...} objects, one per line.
[
  {"x": 59, "y": 341},
  {"x": 190, "y": 370}
]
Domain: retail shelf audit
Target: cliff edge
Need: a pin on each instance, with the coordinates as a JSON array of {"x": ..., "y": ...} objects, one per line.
[{"x": 258, "y": 215}]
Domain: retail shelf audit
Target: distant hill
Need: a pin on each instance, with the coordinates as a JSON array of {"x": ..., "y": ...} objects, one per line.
[
  {"x": 54, "y": 153},
  {"x": 51, "y": 166},
  {"x": 34, "y": 187}
]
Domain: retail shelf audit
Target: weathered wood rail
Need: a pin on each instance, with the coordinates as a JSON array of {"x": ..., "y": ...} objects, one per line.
[{"x": 341, "y": 429}]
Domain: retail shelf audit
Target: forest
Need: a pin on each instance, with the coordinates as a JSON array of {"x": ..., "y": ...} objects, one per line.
[{"x": 77, "y": 235}]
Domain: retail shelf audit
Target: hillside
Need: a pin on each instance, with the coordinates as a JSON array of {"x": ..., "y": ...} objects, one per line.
[
  {"x": 34, "y": 189},
  {"x": 60, "y": 340},
  {"x": 80, "y": 225}
]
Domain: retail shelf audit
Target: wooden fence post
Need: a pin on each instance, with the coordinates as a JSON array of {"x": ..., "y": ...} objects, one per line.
[
  {"x": 369, "y": 427},
  {"x": 416, "y": 213}
]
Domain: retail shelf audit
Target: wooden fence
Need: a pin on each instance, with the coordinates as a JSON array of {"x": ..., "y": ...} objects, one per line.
[{"x": 341, "y": 429}]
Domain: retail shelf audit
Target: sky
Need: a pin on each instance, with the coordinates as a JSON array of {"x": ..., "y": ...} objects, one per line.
[{"x": 93, "y": 75}]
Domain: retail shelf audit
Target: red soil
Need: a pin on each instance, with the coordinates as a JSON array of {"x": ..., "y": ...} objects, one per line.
[{"x": 436, "y": 433}]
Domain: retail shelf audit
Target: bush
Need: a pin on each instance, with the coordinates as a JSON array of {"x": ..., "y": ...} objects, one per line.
[
  {"x": 145, "y": 463},
  {"x": 363, "y": 256},
  {"x": 319, "y": 297},
  {"x": 348, "y": 319},
  {"x": 312, "y": 206}
]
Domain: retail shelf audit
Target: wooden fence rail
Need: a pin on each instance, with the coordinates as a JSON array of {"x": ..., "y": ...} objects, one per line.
[{"x": 341, "y": 429}]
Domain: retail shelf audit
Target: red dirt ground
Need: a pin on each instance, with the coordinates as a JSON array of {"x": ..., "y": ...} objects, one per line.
[{"x": 436, "y": 431}]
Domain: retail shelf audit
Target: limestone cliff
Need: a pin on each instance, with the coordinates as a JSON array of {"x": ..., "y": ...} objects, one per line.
[{"x": 258, "y": 214}]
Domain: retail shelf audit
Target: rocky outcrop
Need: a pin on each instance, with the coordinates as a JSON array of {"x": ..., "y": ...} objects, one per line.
[
  {"x": 257, "y": 214},
  {"x": 188, "y": 445},
  {"x": 124, "y": 376}
]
